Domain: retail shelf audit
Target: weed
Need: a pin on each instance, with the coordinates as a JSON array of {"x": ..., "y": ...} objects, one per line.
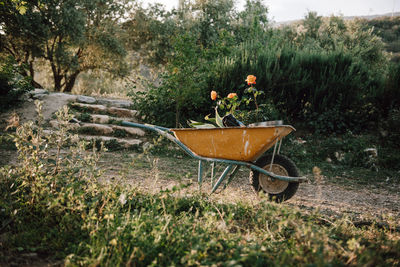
[{"x": 84, "y": 117}]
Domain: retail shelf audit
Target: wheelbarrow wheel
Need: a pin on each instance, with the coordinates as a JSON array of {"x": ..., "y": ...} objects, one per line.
[{"x": 277, "y": 190}]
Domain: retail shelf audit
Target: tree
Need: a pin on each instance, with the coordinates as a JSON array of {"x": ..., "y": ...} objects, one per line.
[
  {"x": 252, "y": 23},
  {"x": 71, "y": 35}
]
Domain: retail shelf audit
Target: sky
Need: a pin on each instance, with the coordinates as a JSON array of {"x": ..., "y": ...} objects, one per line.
[{"x": 283, "y": 10}]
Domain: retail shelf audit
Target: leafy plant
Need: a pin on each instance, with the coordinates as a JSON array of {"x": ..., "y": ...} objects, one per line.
[{"x": 12, "y": 83}]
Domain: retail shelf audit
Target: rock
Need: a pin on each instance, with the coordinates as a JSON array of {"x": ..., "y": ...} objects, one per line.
[
  {"x": 130, "y": 130},
  {"x": 86, "y": 99},
  {"x": 39, "y": 96},
  {"x": 103, "y": 119},
  {"x": 94, "y": 108},
  {"x": 96, "y": 128},
  {"x": 126, "y": 143},
  {"x": 55, "y": 124},
  {"x": 64, "y": 96},
  {"x": 129, "y": 143},
  {"x": 121, "y": 112},
  {"x": 115, "y": 103},
  {"x": 39, "y": 91}
]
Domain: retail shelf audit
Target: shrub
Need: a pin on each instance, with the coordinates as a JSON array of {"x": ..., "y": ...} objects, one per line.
[
  {"x": 12, "y": 84},
  {"x": 305, "y": 84}
]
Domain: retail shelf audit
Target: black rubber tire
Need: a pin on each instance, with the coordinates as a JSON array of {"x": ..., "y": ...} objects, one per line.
[{"x": 284, "y": 162}]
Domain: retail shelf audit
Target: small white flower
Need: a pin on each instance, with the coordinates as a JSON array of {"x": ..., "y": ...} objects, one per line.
[{"x": 122, "y": 199}]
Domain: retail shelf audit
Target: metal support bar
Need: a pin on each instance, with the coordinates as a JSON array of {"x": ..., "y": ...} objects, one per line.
[
  {"x": 212, "y": 172},
  {"x": 273, "y": 157},
  {"x": 233, "y": 173},
  {"x": 221, "y": 178},
  {"x": 279, "y": 148},
  {"x": 200, "y": 172}
]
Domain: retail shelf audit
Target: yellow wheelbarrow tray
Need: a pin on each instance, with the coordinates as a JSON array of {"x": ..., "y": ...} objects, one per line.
[
  {"x": 233, "y": 146},
  {"x": 232, "y": 143}
]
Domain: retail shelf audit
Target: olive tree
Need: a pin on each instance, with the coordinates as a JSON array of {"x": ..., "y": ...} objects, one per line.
[{"x": 73, "y": 36}]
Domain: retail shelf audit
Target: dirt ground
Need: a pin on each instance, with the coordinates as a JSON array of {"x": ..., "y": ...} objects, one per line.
[{"x": 155, "y": 173}]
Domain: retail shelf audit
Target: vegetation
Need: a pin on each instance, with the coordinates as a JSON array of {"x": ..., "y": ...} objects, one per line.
[
  {"x": 72, "y": 36},
  {"x": 54, "y": 206},
  {"x": 331, "y": 78},
  {"x": 12, "y": 84}
]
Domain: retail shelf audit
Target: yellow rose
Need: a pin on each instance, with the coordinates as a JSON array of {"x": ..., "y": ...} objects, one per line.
[
  {"x": 214, "y": 95},
  {"x": 232, "y": 95},
  {"x": 251, "y": 79}
]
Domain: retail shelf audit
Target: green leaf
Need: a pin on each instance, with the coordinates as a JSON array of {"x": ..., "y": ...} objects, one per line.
[
  {"x": 207, "y": 118},
  {"x": 218, "y": 119},
  {"x": 200, "y": 125}
]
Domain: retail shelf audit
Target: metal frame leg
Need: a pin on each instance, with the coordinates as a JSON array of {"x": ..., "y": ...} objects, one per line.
[
  {"x": 222, "y": 177},
  {"x": 200, "y": 173}
]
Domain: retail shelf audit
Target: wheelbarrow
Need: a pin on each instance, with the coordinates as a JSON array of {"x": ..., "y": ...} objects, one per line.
[{"x": 273, "y": 174}]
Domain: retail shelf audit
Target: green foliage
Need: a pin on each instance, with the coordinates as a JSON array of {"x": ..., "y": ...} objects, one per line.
[
  {"x": 321, "y": 87},
  {"x": 389, "y": 97},
  {"x": 388, "y": 28},
  {"x": 154, "y": 106},
  {"x": 182, "y": 89},
  {"x": 339, "y": 155},
  {"x": 335, "y": 34},
  {"x": 12, "y": 84}
]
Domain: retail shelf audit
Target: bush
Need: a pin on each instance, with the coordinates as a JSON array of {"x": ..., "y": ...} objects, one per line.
[
  {"x": 305, "y": 85},
  {"x": 181, "y": 95},
  {"x": 12, "y": 84}
]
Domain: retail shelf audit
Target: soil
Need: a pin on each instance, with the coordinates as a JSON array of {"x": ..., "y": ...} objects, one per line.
[{"x": 369, "y": 202}]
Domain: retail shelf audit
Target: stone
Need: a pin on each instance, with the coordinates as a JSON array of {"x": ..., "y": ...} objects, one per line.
[
  {"x": 121, "y": 112},
  {"x": 56, "y": 125},
  {"x": 64, "y": 96},
  {"x": 39, "y": 96},
  {"x": 86, "y": 99},
  {"x": 39, "y": 91},
  {"x": 129, "y": 143},
  {"x": 95, "y": 108},
  {"x": 115, "y": 103},
  {"x": 96, "y": 128},
  {"x": 130, "y": 130},
  {"x": 103, "y": 119},
  {"x": 126, "y": 143}
]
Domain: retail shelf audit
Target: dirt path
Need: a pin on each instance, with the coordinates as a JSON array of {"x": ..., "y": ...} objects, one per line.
[{"x": 153, "y": 173}]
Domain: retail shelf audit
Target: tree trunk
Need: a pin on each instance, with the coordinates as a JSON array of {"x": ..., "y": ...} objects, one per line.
[
  {"x": 34, "y": 83},
  {"x": 57, "y": 77},
  {"x": 177, "y": 115},
  {"x": 57, "y": 82},
  {"x": 70, "y": 81}
]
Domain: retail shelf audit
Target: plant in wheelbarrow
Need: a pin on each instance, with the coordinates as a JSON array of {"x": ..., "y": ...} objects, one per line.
[{"x": 278, "y": 188}]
